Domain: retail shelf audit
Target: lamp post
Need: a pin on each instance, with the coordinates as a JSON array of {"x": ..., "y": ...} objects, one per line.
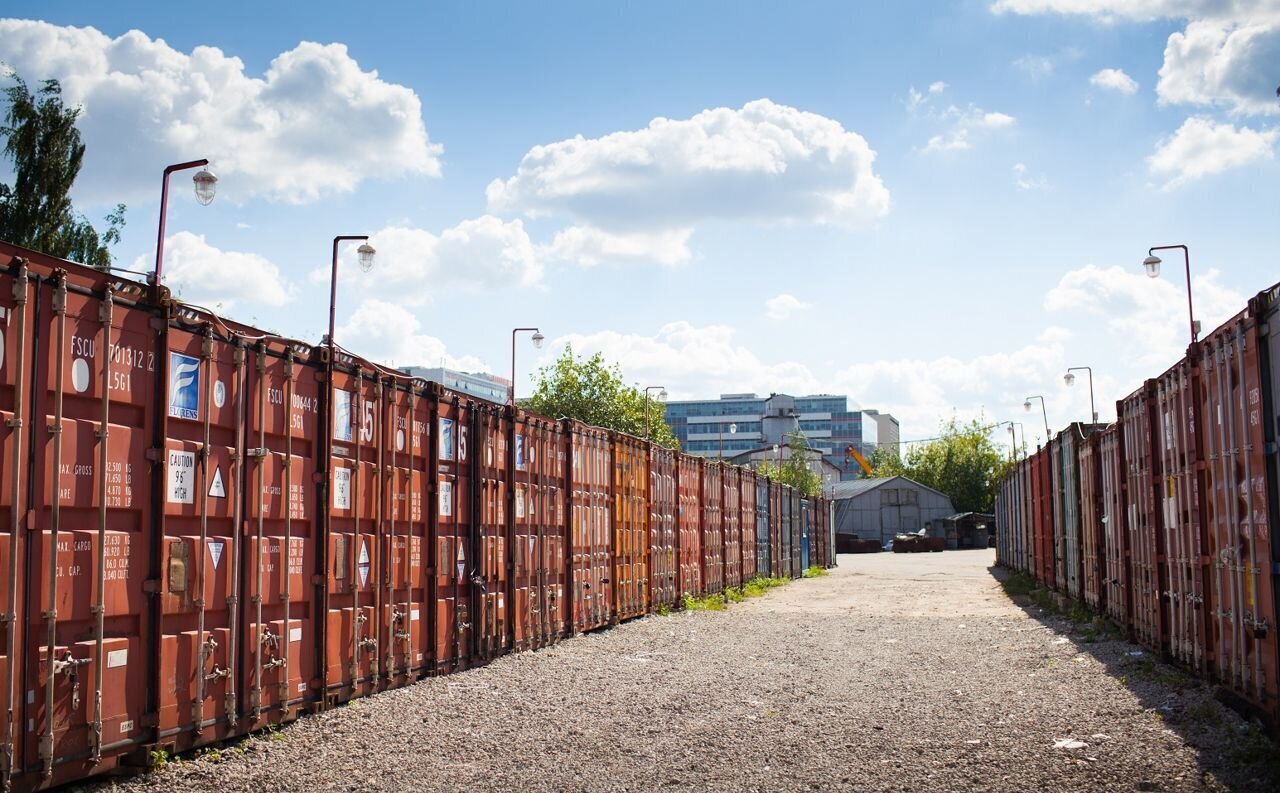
[
  {"x": 206, "y": 186},
  {"x": 733, "y": 428},
  {"x": 1070, "y": 380},
  {"x": 537, "y": 345},
  {"x": 1152, "y": 263},
  {"x": 1013, "y": 437},
  {"x": 662, "y": 397},
  {"x": 1027, "y": 406},
  {"x": 366, "y": 252}
]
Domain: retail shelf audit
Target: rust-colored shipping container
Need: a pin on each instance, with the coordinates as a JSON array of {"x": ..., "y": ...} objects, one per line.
[
  {"x": 664, "y": 560},
  {"x": 795, "y": 523},
  {"x": 1029, "y": 557},
  {"x": 780, "y": 530},
  {"x": 731, "y": 520},
  {"x": 1115, "y": 527},
  {"x": 1240, "y": 370},
  {"x": 1089, "y": 466},
  {"x": 492, "y": 531},
  {"x": 748, "y": 522},
  {"x": 450, "y": 554},
  {"x": 1060, "y": 564},
  {"x": 591, "y": 537},
  {"x": 689, "y": 488},
  {"x": 539, "y": 601},
  {"x": 1184, "y": 571},
  {"x": 1143, "y": 488},
  {"x": 1042, "y": 518},
  {"x": 630, "y": 526},
  {"x": 764, "y": 546},
  {"x": 712, "y": 528}
]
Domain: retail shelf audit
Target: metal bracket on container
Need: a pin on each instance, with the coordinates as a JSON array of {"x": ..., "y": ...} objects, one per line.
[{"x": 256, "y": 451}]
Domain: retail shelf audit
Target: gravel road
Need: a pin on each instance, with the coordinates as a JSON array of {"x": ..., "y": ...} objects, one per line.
[{"x": 895, "y": 672}]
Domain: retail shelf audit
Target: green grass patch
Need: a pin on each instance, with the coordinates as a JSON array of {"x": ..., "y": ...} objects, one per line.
[
  {"x": 1019, "y": 584},
  {"x": 1253, "y": 749},
  {"x": 1149, "y": 669},
  {"x": 815, "y": 572},
  {"x": 708, "y": 603},
  {"x": 761, "y": 584}
]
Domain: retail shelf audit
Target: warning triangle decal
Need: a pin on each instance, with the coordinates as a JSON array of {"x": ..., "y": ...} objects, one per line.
[
  {"x": 216, "y": 490},
  {"x": 215, "y": 550},
  {"x": 362, "y": 562}
]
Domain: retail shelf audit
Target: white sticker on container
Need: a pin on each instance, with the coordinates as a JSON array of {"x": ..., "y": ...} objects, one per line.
[
  {"x": 295, "y": 634},
  {"x": 446, "y": 499},
  {"x": 31, "y": 696},
  {"x": 419, "y": 656},
  {"x": 302, "y": 687},
  {"x": 80, "y": 375},
  {"x": 216, "y": 488},
  {"x": 117, "y": 658},
  {"x": 126, "y": 727},
  {"x": 342, "y": 424},
  {"x": 414, "y": 614},
  {"x": 219, "y": 393},
  {"x": 215, "y": 551},
  {"x": 182, "y": 474},
  {"x": 341, "y": 488}
]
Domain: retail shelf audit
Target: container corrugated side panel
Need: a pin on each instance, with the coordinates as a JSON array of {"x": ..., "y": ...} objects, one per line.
[
  {"x": 1070, "y": 515},
  {"x": 591, "y": 544},
  {"x": 689, "y": 485},
  {"x": 732, "y": 489},
  {"x": 1093, "y": 562},
  {"x": 1179, "y": 501},
  {"x": 630, "y": 532},
  {"x": 1240, "y": 367},
  {"x": 1115, "y": 527},
  {"x": 1145, "y": 518},
  {"x": 747, "y": 521},
  {"x": 764, "y": 556},
  {"x": 712, "y": 529},
  {"x": 664, "y": 565},
  {"x": 541, "y": 598}
]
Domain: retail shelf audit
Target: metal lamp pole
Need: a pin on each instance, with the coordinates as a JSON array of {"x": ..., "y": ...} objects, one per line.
[
  {"x": 206, "y": 185},
  {"x": 662, "y": 397},
  {"x": 1070, "y": 379},
  {"x": 366, "y": 261},
  {"x": 1027, "y": 405},
  {"x": 1152, "y": 263},
  {"x": 537, "y": 343}
]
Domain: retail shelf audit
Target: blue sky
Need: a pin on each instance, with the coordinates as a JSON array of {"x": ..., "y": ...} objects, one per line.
[{"x": 934, "y": 208}]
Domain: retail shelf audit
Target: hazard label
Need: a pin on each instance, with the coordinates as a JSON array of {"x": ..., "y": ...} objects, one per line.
[
  {"x": 216, "y": 489},
  {"x": 362, "y": 562},
  {"x": 215, "y": 551},
  {"x": 182, "y": 467},
  {"x": 462, "y": 562}
]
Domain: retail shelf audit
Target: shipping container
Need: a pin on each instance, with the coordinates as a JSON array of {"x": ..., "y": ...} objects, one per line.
[
  {"x": 1240, "y": 370},
  {"x": 591, "y": 537},
  {"x": 764, "y": 542},
  {"x": 1059, "y": 580},
  {"x": 1115, "y": 526},
  {"x": 1184, "y": 564},
  {"x": 664, "y": 559},
  {"x": 1088, "y": 464},
  {"x": 689, "y": 487},
  {"x": 1069, "y": 517},
  {"x": 795, "y": 522},
  {"x": 748, "y": 523},
  {"x": 630, "y": 526},
  {"x": 712, "y": 528},
  {"x": 540, "y": 600},
  {"x": 1145, "y": 519},
  {"x": 731, "y": 480}
]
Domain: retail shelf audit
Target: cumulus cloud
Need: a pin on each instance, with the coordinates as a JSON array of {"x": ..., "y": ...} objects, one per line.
[
  {"x": 1224, "y": 58},
  {"x": 412, "y": 265},
  {"x": 966, "y": 126},
  {"x": 783, "y": 306},
  {"x": 1023, "y": 179},
  {"x": 1114, "y": 80},
  {"x": 199, "y": 273},
  {"x": 1202, "y": 147},
  {"x": 937, "y": 87},
  {"x": 590, "y": 246},
  {"x": 1145, "y": 318},
  {"x": 761, "y": 162},
  {"x": 313, "y": 124},
  {"x": 389, "y": 334}
]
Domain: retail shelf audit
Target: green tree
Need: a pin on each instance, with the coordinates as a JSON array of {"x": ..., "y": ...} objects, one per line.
[
  {"x": 44, "y": 145},
  {"x": 963, "y": 463},
  {"x": 592, "y": 391},
  {"x": 795, "y": 470}
]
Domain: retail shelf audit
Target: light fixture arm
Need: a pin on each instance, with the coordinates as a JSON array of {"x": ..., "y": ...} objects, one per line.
[
  {"x": 164, "y": 206},
  {"x": 646, "y": 406},
  {"x": 1093, "y": 411},
  {"x": 1044, "y": 413},
  {"x": 1186, "y": 257},
  {"x": 514, "y": 331},
  {"x": 333, "y": 283}
]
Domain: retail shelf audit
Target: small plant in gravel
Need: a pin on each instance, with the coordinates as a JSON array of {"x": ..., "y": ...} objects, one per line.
[
  {"x": 662, "y": 610},
  {"x": 1148, "y": 669},
  {"x": 159, "y": 758},
  {"x": 1252, "y": 748},
  {"x": 708, "y": 603},
  {"x": 1019, "y": 584},
  {"x": 734, "y": 594}
]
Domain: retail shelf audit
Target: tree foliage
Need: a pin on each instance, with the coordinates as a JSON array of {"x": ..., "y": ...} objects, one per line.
[
  {"x": 592, "y": 391},
  {"x": 963, "y": 463},
  {"x": 795, "y": 470},
  {"x": 44, "y": 146}
]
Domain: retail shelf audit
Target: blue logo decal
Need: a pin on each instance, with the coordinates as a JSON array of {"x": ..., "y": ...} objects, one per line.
[{"x": 184, "y": 386}]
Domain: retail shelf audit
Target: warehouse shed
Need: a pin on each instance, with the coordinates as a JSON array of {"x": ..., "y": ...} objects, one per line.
[{"x": 877, "y": 509}]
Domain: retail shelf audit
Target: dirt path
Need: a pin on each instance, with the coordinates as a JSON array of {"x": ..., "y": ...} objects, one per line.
[{"x": 895, "y": 672}]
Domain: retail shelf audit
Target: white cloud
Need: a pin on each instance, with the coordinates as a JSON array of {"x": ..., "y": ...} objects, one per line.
[
  {"x": 965, "y": 126},
  {"x": 1202, "y": 147},
  {"x": 313, "y": 124},
  {"x": 1036, "y": 67},
  {"x": 1136, "y": 10},
  {"x": 197, "y": 272},
  {"x": 762, "y": 162},
  {"x": 1114, "y": 80},
  {"x": 590, "y": 246},
  {"x": 1145, "y": 319},
  {"x": 389, "y": 334},
  {"x": 783, "y": 306},
  {"x": 413, "y": 265},
  {"x": 1025, "y": 181},
  {"x": 937, "y": 87}
]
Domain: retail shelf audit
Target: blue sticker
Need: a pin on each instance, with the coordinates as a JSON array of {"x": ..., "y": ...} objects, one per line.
[{"x": 184, "y": 386}]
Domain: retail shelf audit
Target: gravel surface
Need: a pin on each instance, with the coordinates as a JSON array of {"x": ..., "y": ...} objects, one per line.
[{"x": 895, "y": 672}]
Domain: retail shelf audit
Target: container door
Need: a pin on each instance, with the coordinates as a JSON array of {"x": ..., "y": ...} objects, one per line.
[
  {"x": 453, "y": 555},
  {"x": 489, "y": 553}
]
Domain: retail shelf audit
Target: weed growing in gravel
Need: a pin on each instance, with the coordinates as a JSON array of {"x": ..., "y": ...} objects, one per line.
[
  {"x": 1147, "y": 668},
  {"x": 159, "y": 758},
  {"x": 734, "y": 594},
  {"x": 708, "y": 603},
  {"x": 1100, "y": 629},
  {"x": 1019, "y": 584},
  {"x": 761, "y": 584},
  {"x": 815, "y": 572},
  {"x": 662, "y": 610},
  {"x": 1253, "y": 748}
]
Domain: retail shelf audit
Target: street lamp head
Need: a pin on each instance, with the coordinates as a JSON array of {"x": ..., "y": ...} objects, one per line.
[
  {"x": 1027, "y": 406},
  {"x": 733, "y": 428},
  {"x": 366, "y": 253},
  {"x": 537, "y": 339},
  {"x": 662, "y": 395},
  {"x": 1152, "y": 263},
  {"x": 1069, "y": 379},
  {"x": 206, "y": 184}
]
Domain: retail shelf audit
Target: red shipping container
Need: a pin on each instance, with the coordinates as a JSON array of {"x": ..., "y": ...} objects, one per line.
[
  {"x": 1093, "y": 557},
  {"x": 591, "y": 537},
  {"x": 1240, "y": 370},
  {"x": 747, "y": 522},
  {"x": 712, "y": 528},
  {"x": 689, "y": 487},
  {"x": 664, "y": 507},
  {"x": 732, "y": 523},
  {"x": 1115, "y": 527},
  {"x": 1143, "y": 488},
  {"x": 1185, "y": 565},
  {"x": 540, "y": 601},
  {"x": 779, "y": 531},
  {"x": 490, "y": 531},
  {"x": 630, "y": 526}
]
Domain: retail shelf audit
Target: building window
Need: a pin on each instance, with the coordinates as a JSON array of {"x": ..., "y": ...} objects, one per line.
[
  {"x": 888, "y": 497},
  {"x": 909, "y": 497}
]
